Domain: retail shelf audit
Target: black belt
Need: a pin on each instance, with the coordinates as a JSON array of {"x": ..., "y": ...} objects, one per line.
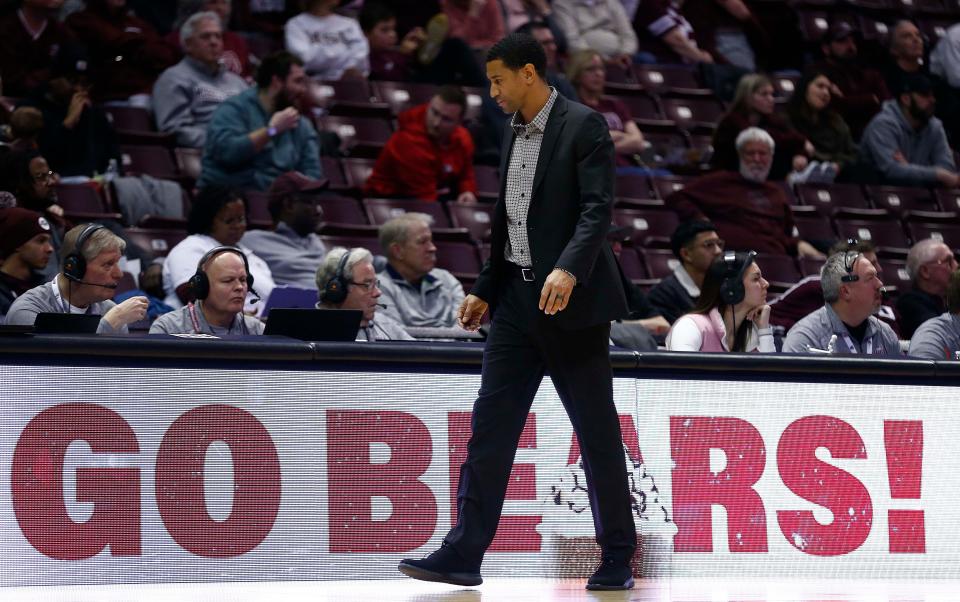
[{"x": 525, "y": 274}]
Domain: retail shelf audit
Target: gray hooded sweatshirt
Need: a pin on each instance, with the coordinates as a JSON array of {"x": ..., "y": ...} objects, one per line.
[{"x": 924, "y": 150}]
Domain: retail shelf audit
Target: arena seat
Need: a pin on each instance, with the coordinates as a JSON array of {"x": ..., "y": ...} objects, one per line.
[
  {"x": 632, "y": 265},
  {"x": 258, "y": 209},
  {"x": 650, "y": 227},
  {"x": 488, "y": 181},
  {"x": 151, "y": 160},
  {"x": 897, "y": 199},
  {"x": 664, "y": 186},
  {"x": 380, "y": 211},
  {"x": 812, "y": 226},
  {"x": 82, "y": 203},
  {"x": 342, "y": 210},
  {"x": 828, "y": 197},
  {"x": 477, "y": 218},
  {"x": 948, "y": 199},
  {"x": 357, "y": 171},
  {"x": 943, "y": 226},
  {"x": 458, "y": 257},
  {"x": 693, "y": 114},
  {"x": 780, "y": 270},
  {"x": 349, "y": 97},
  {"x": 659, "y": 262},
  {"x": 632, "y": 186},
  {"x": 333, "y": 171},
  {"x": 881, "y": 230},
  {"x": 670, "y": 79},
  {"x": 401, "y": 96},
  {"x": 359, "y": 136},
  {"x": 157, "y": 241}
]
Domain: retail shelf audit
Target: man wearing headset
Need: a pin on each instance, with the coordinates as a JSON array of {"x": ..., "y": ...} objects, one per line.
[
  {"x": 89, "y": 275},
  {"x": 219, "y": 288},
  {"x": 346, "y": 280},
  {"x": 845, "y": 324}
]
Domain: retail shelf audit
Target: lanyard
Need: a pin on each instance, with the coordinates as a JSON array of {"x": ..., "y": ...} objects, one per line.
[
  {"x": 195, "y": 320},
  {"x": 867, "y": 348}
]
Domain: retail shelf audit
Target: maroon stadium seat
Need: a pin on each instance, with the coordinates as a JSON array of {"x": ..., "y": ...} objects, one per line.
[
  {"x": 357, "y": 171},
  {"x": 664, "y": 79},
  {"x": 633, "y": 187},
  {"x": 475, "y": 217},
  {"x": 134, "y": 125},
  {"x": 643, "y": 108},
  {"x": 812, "y": 226},
  {"x": 488, "y": 181},
  {"x": 342, "y": 210},
  {"x": 632, "y": 265},
  {"x": 664, "y": 186},
  {"x": 401, "y": 96},
  {"x": 897, "y": 199},
  {"x": 154, "y": 161},
  {"x": 881, "y": 230},
  {"x": 333, "y": 171},
  {"x": 693, "y": 113},
  {"x": 369, "y": 243},
  {"x": 258, "y": 211},
  {"x": 650, "y": 227},
  {"x": 158, "y": 242},
  {"x": 347, "y": 97},
  {"x": 380, "y": 211},
  {"x": 941, "y": 226},
  {"x": 458, "y": 257},
  {"x": 359, "y": 136},
  {"x": 828, "y": 197},
  {"x": 810, "y": 266},
  {"x": 188, "y": 162},
  {"x": 778, "y": 269},
  {"x": 82, "y": 202},
  {"x": 895, "y": 274},
  {"x": 949, "y": 200},
  {"x": 659, "y": 262}
]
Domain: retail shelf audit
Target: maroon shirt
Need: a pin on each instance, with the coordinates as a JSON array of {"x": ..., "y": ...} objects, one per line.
[
  {"x": 748, "y": 215},
  {"x": 655, "y": 19},
  {"x": 25, "y": 62},
  {"x": 788, "y": 143},
  {"x": 390, "y": 65},
  {"x": 617, "y": 115}
]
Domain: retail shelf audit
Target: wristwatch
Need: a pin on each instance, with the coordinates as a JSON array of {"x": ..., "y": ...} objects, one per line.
[{"x": 271, "y": 132}]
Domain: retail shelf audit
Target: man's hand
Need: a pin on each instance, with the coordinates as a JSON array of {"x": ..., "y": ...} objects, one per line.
[
  {"x": 900, "y": 158},
  {"x": 78, "y": 103},
  {"x": 413, "y": 40},
  {"x": 556, "y": 292},
  {"x": 285, "y": 120},
  {"x": 805, "y": 249},
  {"x": 656, "y": 325},
  {"x": 800, "y": 162},
  {"x": 471, "y": 312},
  {"x": 131, "y": 310},
  {"x": 948, "y": 178},
  {"x": 466, "y": 197}
]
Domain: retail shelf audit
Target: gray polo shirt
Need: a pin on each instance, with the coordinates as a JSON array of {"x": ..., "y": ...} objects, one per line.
[
  {"x": 433, "y": 303},
  {"x": 937, "y": 338},
  {"x": 816, "y": 329},
  {"x": 46, "y": 298},
  {"x": 181, "y": 321},
  {"x": 293, "y": 259}
]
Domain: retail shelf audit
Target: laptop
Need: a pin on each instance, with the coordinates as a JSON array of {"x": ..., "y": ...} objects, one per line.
[
  {"x": 315, "y": 324},
  {"x": 54, "y": 323}
]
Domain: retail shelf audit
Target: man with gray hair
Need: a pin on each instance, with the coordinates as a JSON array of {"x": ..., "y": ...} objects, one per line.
[
  {"x": 845, "y": 324},
  {"x": 929, "y": 265},
  {"x": 185, "y": 95},
  {"x": 346, "y": 280},
  {"x": 89, "y": 275},
  {"x": 415, "y": 291},
  {"x": 748, "y": 211},
  {"x": 939, "y": 338}
]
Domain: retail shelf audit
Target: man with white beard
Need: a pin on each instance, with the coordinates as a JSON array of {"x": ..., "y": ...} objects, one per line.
[{"x": 748, "y": 211}]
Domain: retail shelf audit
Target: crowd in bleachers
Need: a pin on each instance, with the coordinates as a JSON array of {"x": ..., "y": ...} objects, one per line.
[{"x": 353, "y": 143}]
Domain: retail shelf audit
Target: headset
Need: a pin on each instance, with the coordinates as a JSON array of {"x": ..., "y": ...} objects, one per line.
[
  {"x": 75, "y": 264},
  {"x": 848, "y": 265},
  {"x": 732, "y": 290},
  {"x": 335, "y": 290},
  {"x": 199, "y": 284}
]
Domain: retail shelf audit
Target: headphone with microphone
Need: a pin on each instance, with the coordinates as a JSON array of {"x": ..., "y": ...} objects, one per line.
[
  {"x": 199, "y": 283},
  {"x": 75, "y": 264},
  {"x": 732, "y": 290},
  {"x": 335, "y": 290}
]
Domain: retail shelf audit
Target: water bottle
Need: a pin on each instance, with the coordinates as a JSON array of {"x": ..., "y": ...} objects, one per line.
[{"x": 112, "y": 171}]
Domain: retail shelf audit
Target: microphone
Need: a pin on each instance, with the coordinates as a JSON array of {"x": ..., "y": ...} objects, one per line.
[
  {"x": 256, "y": 297},
  {"x": 382, "y": 305},
  {"x": 79, "y": 281}
]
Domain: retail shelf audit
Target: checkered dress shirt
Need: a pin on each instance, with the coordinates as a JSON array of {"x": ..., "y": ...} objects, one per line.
[{"x": 520, "y": 172}]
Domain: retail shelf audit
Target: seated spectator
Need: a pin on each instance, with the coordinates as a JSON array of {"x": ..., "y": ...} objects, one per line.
[
  {"x": 845, "y": 324},
  {"x": 220, "y": 286},
  {"x": 809, "y": 113},
  {"x": 519, "y": 13},
  {"x": 430, "y": 151},
  {"x": 748, "y": 210},
  {"x": 388, "y": 60},
  {"x": 218, "y": 217},
  {"x": 939, "y": 338},
  {"x": 331, "y": 46},
  {"x": 906, "y": 54},
  {"x": 346, "y": 280},
  {"x": 26, "y": 124},
  {"x": 644, "y": 322},
  {"x": 945, "y": 71},
  {"x": 236, "y": 52},
  {"x": 600, "y": 25},
  {"x": 905, "y": 144},
  {"x": 479, "y": 23},
  {"x": 91, "y": 272},
  {"x": 542, "y": 33},
  {"x": 25, "y": 250},
  {"x": 186, "y": 95},
  {"x": 30, "y": 38},
  {"x": 930, "y": 264},
  {"x": 806, "y": 296},
  {"x": 587, "y": 72},
  {"x": 666, "y": 34},
  {"x": 696, "y": 244},
  {"x": 732, "y": 312},
  {"x": 293, "y": 250},
  {"x": 127, "y": 52},
  {"x": 415, "y": 291},
  {"x": 859, "y": 88},
  {"x": 753, "y": 106},
  {"x": 257, "y": 135},
  {"x": 729, "y": 31}
]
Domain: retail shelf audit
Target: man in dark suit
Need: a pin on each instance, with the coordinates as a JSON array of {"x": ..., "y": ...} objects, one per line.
[{"x": 553, "y": 287}]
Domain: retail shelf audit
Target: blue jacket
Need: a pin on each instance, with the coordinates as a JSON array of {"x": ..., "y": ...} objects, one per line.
[{"x": 229, "y": 158}]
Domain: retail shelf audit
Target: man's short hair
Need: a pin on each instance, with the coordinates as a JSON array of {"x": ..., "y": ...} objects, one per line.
[
  {"x": 373, "y": 13},
  {"x": 687, "y": 232},
  {"x": 397, "y": 230},
  {"x": 98, "y": 242},
  {"x": 25, "y": 122},
  {"x": 276, "y": 64},
  {"x": 921, "y": 253},
  {"x": 860, "y": 246},
  {"x": 453, "y": 95},
  {"x": 328, "y": 267},
  {"x": 953, "y": 293},
  {"x": 193, "y": 21},
  {"x": 517, "y": 50},
  {"x": 834, "y": 270},
  {"x": 754, "y": 134},
  {"x": 532, "y": 24}
]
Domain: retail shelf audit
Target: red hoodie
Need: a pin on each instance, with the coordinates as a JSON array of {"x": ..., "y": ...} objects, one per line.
[{"x": 413, "y": 165}]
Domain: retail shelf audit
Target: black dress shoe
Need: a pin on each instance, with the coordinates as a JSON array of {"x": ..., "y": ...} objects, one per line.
[
  {"x": 443, "y": 566},
  {"x": 612, "y": 574}
]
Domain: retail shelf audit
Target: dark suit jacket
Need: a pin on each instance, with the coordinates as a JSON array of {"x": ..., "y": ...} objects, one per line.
[{"x": 568, "y": 219}]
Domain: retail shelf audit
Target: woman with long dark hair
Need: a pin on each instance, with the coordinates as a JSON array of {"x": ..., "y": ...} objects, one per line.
[
  {"x": 731, "y": 313},
  {"x": 810, "y": 114}
]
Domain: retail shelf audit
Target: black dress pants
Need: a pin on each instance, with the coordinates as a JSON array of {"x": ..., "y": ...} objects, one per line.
[{"x": 523, "y": 344}]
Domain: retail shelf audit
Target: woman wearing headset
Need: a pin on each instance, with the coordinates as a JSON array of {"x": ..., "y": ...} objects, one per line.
[{"x": 731, "y": 313}]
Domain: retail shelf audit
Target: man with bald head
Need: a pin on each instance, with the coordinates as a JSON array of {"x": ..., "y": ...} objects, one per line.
[
  {"x": 220, "y": 288},
  {"x": 929, "y": 264}
]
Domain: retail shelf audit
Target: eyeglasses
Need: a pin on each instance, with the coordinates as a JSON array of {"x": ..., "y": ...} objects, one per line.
[
  {"x": 949, "y": 261},
  {"x": 367, "y": 286},
  {"x": 45, "y": 176}
]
